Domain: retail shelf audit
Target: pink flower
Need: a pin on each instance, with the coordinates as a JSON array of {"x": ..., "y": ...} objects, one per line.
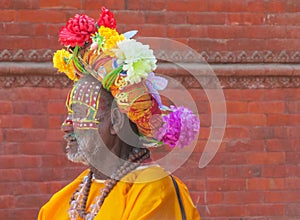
[
  {"x": 107, "y": 19},
  {"x": 180, "y": 127},
  {"x": 77, "y": 31}
]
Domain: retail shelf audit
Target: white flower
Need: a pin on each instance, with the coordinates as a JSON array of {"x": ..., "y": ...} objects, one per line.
[{"x": 137, "y": 59}]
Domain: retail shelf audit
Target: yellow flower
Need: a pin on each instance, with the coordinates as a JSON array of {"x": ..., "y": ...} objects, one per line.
[
  {"x": 112, "y": 37},
  {"x": 62, "y": 61}
]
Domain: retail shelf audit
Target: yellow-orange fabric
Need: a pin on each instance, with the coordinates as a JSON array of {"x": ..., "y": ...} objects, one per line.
[
  {"x": 156, "y": 200},
  {"x": 139, "y": 105}
]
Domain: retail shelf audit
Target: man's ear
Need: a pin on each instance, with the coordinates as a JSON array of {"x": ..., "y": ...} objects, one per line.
[{"x": 117, "y": 121}]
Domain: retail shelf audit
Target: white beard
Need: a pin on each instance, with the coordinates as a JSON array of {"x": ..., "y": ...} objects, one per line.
[{"x": 77, "y": 157}]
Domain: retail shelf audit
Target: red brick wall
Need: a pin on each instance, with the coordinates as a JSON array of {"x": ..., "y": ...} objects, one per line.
[
  {"x": 255, "y": 174},
  {"x": 211, "y": 26}
]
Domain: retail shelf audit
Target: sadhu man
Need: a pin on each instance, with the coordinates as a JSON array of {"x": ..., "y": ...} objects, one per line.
[{"x": 115, "y": 115}]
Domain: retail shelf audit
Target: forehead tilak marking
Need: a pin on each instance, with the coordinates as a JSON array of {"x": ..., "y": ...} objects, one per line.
[{"x": 87, "y": 94}]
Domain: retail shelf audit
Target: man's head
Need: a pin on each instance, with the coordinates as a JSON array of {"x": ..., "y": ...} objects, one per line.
[{"x": 95, "y": 128}]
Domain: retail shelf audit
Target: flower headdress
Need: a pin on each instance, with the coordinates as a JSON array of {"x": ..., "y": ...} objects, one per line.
[{"x": 125, "y": 67}]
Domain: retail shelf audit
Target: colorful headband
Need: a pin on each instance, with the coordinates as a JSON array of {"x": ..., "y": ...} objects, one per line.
[{"x": 125, "y": 68}]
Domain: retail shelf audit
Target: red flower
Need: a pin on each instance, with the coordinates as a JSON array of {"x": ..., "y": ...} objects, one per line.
[
  {"x": 107, "y": 19},
  {"x": 77, "y": 31}
]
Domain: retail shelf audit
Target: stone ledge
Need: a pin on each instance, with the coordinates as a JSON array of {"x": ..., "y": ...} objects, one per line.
[
  {"x": 26, "y": 68},
  {"x": 170, "y": 69},
  {"x": 182, "y": 69},
  {"x": 229, "y": 76}
]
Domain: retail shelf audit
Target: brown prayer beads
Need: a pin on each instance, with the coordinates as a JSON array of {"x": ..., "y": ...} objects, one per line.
[{"x": 80, "y": 196}]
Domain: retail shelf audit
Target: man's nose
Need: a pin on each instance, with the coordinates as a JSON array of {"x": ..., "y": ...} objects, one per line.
[{"x": 67, "y": 125}]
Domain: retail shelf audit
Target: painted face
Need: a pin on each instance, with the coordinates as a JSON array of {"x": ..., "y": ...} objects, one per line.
[
  {"x": 90, "y": 134},
  {"x": 82, "y": 105}
]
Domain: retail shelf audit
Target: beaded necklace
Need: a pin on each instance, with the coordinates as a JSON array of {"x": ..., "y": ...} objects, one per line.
[{"x": 80, "y": 196}]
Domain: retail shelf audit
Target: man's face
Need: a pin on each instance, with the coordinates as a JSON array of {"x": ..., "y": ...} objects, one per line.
[{"x": 87, "y": 118}]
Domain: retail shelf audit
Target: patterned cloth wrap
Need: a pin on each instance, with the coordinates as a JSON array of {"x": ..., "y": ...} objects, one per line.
[{"x": 125, "y": 68}]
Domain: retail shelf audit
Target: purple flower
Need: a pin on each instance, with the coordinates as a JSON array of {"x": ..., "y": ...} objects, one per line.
[{"x": 179, "y": 127}]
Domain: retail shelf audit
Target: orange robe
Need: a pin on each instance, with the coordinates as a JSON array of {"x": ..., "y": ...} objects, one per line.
[{"x": 143, "y": 200}]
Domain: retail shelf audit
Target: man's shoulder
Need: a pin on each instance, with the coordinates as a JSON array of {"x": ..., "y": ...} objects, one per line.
[
  {"x": 153, "y": 178},
  {"x": 146, "y": 174}
]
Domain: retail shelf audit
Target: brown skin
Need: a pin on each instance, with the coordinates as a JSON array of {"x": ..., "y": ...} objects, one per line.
[{"x": 113, "y": 125}]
